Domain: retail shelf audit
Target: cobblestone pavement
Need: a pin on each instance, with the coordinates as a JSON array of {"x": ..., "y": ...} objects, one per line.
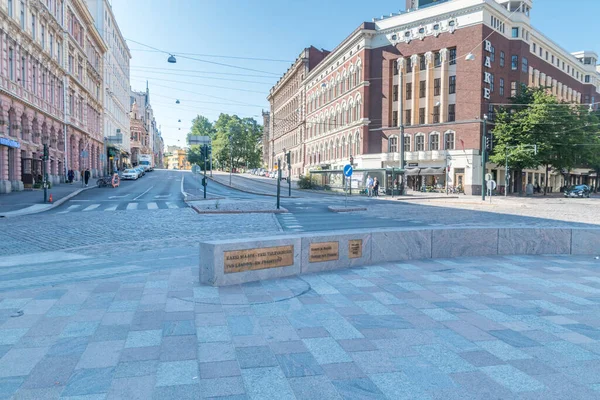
[
  {"x": 471, "y": 328},
  {"x": 123, "y": 230}
]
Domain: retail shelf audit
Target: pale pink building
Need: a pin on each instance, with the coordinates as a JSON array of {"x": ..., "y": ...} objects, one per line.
[{"x": 50, "y": 58}]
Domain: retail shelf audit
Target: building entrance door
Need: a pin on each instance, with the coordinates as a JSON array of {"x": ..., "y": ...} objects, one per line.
[{"x": 459, "y": 180}]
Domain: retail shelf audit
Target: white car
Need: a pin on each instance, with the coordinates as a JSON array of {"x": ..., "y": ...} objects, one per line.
[{"x": 130, "y": 174}]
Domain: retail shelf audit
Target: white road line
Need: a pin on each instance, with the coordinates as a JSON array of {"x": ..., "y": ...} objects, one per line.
[
  {"x": 152, "y": 206},
  {"x": 144, "y": 192},
  {"x": 295, "y": 226},
  {"x": 132, "y": 206},
  {"x": 111, "y": 208},
  {"x": 171, "y": 205},
  {"x": 69, "y": 209},
  {"x": 92, "y": 207}
]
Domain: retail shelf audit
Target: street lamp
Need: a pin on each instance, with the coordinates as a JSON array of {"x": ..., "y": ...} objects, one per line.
[
  {"x": 177, "y": 101},
  {"x": 231, "y": 156},
  {"x": 172, "y": 59}
]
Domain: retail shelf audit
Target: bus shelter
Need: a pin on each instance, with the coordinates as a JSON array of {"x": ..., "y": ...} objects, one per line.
[{"x": 390, "y": 180}]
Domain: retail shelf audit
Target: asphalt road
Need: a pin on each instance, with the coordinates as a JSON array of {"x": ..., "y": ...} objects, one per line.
[{"x": 159, "y": 189}]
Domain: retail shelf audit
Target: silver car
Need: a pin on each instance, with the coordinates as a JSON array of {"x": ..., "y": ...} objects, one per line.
[{"x": 130, "y": 174}]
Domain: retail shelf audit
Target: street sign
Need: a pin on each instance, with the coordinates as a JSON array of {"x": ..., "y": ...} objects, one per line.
[
  {"x": 488, "y": 177},
  {"x": 491, "y": 185},
  {"x": 348, "y": 170},
  {"x": 196, "y": 139}
]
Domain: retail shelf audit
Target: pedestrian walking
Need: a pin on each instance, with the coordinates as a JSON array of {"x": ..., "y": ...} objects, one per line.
[
  {"x": 86, "y": 176},
  {"x": 70, "y": 176},
  {"x": 376, "y": 187},
  {"x": 369, "y": 186}
]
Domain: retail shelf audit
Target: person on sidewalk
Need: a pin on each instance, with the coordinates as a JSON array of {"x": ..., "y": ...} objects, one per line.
[
  {"x": 369, "y": 186},
  {"x": 70, "y": 176},
  {"x": 86, "y": 176},
  {"x": 376, "y": 187}
]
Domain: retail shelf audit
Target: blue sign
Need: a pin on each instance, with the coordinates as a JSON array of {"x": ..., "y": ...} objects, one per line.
[
  {"x": 348, "y": 170},
  {"x": 9, "y": 143}
]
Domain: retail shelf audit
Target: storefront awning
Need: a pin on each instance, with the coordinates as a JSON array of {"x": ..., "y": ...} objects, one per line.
[
  {"x": 432, "y": 171},
  {"x": 412, "y": 171}
]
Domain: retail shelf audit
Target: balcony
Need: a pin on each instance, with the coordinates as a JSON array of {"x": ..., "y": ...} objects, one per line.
[{"x": 438, "y": 154}]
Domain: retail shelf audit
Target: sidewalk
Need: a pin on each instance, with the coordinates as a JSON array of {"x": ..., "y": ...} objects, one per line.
[
  {"x": 427, "y": 329},
  {"x": 32, "y": 201}
]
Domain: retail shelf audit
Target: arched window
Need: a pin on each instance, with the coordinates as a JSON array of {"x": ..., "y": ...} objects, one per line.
[
  {"x": 336, "y": 149},
  {"x": 348, "y": 87},
  {"x": 393, "y": 144},
  {"x": 419, "y": 142},
  {"x": 357, "y": 143},
  {"x": 349, "y": 144},
  {"x": 357, "y": 111},
  {"x": 407, "y": 143},
  {"x": 449, "y": 140},
  {"x": 343, "y": 155},
  {"x": 357, "y": 75},
  {"x": 349, "y": 115},
  {"x": 343, "y": 86}
]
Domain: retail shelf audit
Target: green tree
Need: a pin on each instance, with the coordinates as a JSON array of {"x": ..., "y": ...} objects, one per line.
[
  {"x": 201, "y": 126},
  {"x": 237, "y": 138}
]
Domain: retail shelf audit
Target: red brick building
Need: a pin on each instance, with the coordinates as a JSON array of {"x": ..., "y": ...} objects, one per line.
[{"x": 439, "y": 69}]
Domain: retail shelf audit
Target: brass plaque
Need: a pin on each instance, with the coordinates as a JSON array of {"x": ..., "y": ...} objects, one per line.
[
  {"x": 326, "y": 251},
  {"x": 355, "y": 248},
  {"x": 262, "y": 258}
]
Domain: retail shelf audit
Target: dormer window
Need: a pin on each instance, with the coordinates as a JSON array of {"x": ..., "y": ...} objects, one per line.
[
  {"x": 421, "y": 30},
  {"x": 436, "y": 27}
]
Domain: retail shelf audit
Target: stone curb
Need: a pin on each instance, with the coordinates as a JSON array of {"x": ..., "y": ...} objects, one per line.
[
  {"x": 199, "y": 211},
  {"x": 343, "y": 209},
  {"x": 46, "y": 207}
]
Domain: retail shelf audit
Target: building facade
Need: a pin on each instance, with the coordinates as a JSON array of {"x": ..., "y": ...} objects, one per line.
[
  {"x": 287, "y": 117},
  {"x": 140, "y": 138},
  {"x": 156, "y": 144},
  {"x": 438, "y": 69},
  {"x": 116, "y": 79},
  {"x": 32, "y": 49}
]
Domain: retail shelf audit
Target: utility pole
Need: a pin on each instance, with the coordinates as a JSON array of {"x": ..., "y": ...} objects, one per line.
[
  {"x": 231, "y": 157},
  {"x": 204, "y": 182},
  {"x": 44, "y": 166},
  {"x": 483, "y": 156},
  {"x": 401, "y": 123},
  {"x": 278, "y": 182},
  {"x": 288, "y": 158}
]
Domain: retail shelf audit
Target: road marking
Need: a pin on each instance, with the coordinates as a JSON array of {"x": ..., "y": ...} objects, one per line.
[
  {"x": 69, "y": 209},
  {"x": 171, "y": 205},
  {"x": 144, "y": 192},
  {"x": 132, "y": 206},
  {"x": 92, "y": 207},
  {"x": 295, "y": 226},
  {"x": 118, "y": 197},
  {"x": 152, "y": 206},
  {"x": 162, "y": 196},
  {"x": 111, "y": 208}
]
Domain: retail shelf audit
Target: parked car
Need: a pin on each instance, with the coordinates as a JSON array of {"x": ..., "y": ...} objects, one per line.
[
  {"x": 140, "y": 170},
  {"x": 578, "y": 191},
  {"x": 130, "y": 173}
]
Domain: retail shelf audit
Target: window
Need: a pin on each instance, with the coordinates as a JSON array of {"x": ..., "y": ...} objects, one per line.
[
  {"x": 11, "y": 64},
  {"x": 524, "y": 65},
  {"x": 452, "y": 56},
  {"x": 33, "y": 30},
  {"x": 452, "y": 84},
  {"x": 534, "y": 47},
  {"x": 422, "y": 115},
  {"x": 22, "y": 15},
  {"x": 408, "y": 91},
  {"x": 493, "y": 54},
  {"x": 395, "y": 68},
  {"x": 501, "y": 86},
  {"x": 552, "y": 58},
  {"x": 43, "y": 36},
  {"x": 491, "y": 83},
  {"x": 436, "y": 114},
  {"x": 51, "y": 38},
  {"x": 541, "y": 51},
  {"x": 407, "y": 143},
  {"x": 514, "y": 64},
  {"x": 546, "y": 56},
  {"x": 393, "y": 144},
  {"x": 420, "y": 143},
  {"x": 395, "y": 93},
  {"x": 451, "y": 112},
  {"x": 437, "y": 59},
  {"x": 422, "y": 65},
  {"x": 408, "y": 117},
  {"x": 502, "y": 59},
  {"x": 422, "y": 89},
  {"x": 587, "y": 79},
  {"x": 434, "y": 141},
  {"x": 52, "y": 83},
  {"x": 491, "y": 112},
  {"x": 70, "y": 68},
  {"x": 44, "y": 87},
  {"x": 513, "y": 89},
  {"x": 449, "y": 141},
  {"x": 395, "y": 118},
  {"x": 409, "y": 66},
  {"x": 10, "y": 8},
  {"x": 515, "y": 32},
  {"x": 437, "y": 86},
  {"x": 23, "y": 72},
  {"x": 568, "y": 69},
  {"x": 59, "y": 53}
]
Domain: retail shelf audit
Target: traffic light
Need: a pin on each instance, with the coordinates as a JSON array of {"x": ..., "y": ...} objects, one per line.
[
  {"x": 351, "y": 160},
  {"x": 288, "y": 157},
  {"x": 46, "y": 152},
  {"x": 489, "y": 145}
]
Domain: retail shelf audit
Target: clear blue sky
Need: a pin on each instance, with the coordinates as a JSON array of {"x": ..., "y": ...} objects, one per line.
[{"x": 272, "y": 29}]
